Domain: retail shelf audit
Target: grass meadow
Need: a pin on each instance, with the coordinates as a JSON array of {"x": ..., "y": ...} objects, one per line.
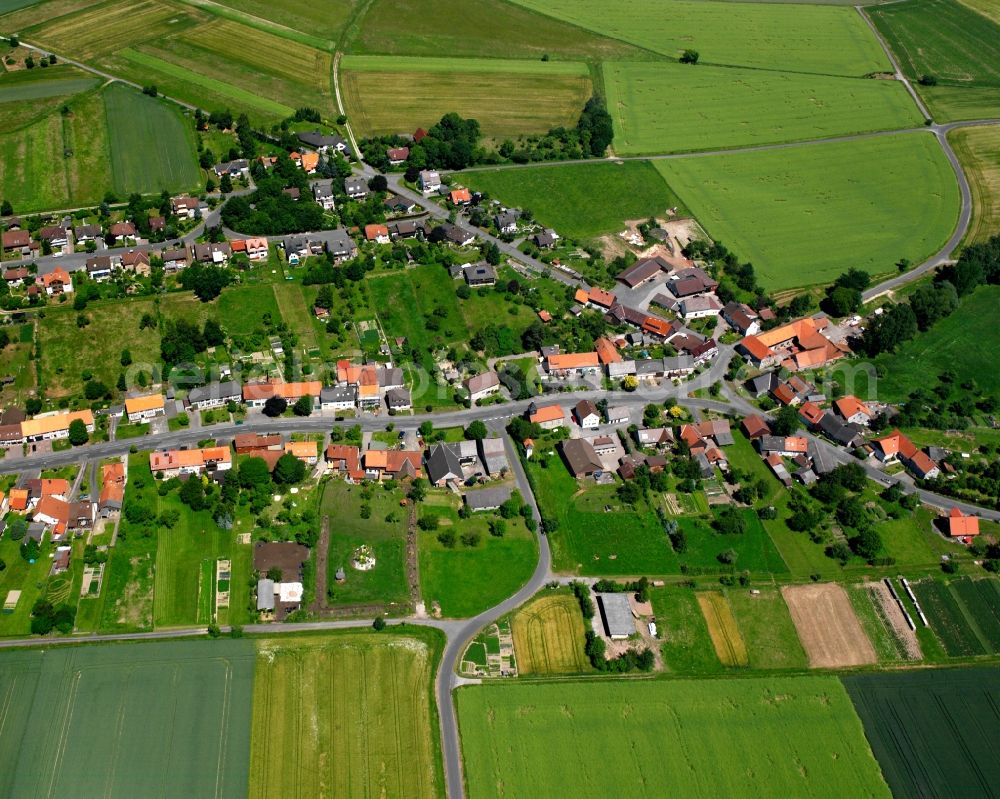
[
  {"x": 138, "y": 124},
  {"x": 809, "y": 38},
  {"x": 789, "y": 736},
  {"x": 581, "y": 200},
  {"x": 961, "y": 342},
  {"x": 979, "y": 151},
  {"x": 173, "y": 718},
  {"x": 468, "y": 580},
  {"x": 508, "y": 98},
  {"x": 548, "y": 636},
  {"x": 486, "y": 28},
  {"x": 346, "y": 715},
  {"x": 29, "y": 95},
  {"x": 956, "y": 45},
  {"x": 686, "y": 643},
  {"x": 804, "y": 215},
  {"x": 926, "y": 760},
  {"x": 729, "y": 107},
  {"x": 323, "y": 20}
]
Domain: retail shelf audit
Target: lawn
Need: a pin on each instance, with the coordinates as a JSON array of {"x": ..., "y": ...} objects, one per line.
[
  {"x": 242, "y": 308},
  {"x": 509, "y": 98},
  {"x": 755, "y": 551},
  {"x": 28, "y": 578},
  {"x": 467, "y": 580},
  {"x": 809, "y": 38},
  {"x": 932, "y": 731},
  {"x": 581, "y": 201},
  {"x": 173, "y": 719},
  {"x": 548, "y": 636},
  {"x": 722, "y": 107},
  {"x": 789, "y": 736},
  {"x": 484, "y": 29},
  {"x": 384, "y": 532},
  {"x": 686, "y": 645},
  {"x": 979, "y": 151},
  {"x": 137, "y": 124},
  {"x": 767, "y": 628},
  {"x": 804, "y": 215},
  {"x": 950, "y": 41},
  {"x": 961, "y": 342},
  {"x": 113, "y": 326},
  {"x": 346, "y": 715}
]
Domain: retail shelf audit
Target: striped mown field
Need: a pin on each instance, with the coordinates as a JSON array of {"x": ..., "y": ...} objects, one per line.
[{"x": 548, "y": 636}]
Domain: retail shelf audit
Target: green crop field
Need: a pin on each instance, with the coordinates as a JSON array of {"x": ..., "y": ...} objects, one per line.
[
  {"x": 6, "y": 6},
  {"x": 138, "y": 125},
  {"x": 947, "y": 619},
  {"x": 950, "y": 41},
  {"x": 384, "y": 532},
  {"x": 821, "y": 39},
  {"x": 486, "y": 28},
  {"x": 324, "y": 20},
  {"x": 467, "y": 580},
  {"x": 981, "y": 602},
  {"x": 791, "y": 736},
  {"x": 988, "y": 8},
  {"x": 127, "y": 720},
  {"x": 804, "y": 215},
  {"x": 932, "y": 731},
  {"x": 961, "y": 342},
  {"x": 979, "y": 151},
  {"x": 508, "y": 98},
  {"x": 580, "y": 200},
  {"x": 18, "y": 15},
  {"x": 46, "y": 89},
  {"x": 348, "y": 716},
  {"x": 721, "y": 107}
]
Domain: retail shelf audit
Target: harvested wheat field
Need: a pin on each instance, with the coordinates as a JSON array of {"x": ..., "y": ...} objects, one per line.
[
  {"x": 826, "y": 624},
  {"x": 548, "y": 636},
  {"x": 722, "y": 628}
]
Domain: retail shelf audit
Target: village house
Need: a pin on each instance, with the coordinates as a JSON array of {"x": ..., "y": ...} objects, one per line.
[
  {"x": 755, "y": 426},
  {"x": 252, "y": 443},
  {"x": 18, "y": 240},
  {"x": 658, "y": 437},
  {"x": 960, "y": 526},
  {"x": 487, "y": 499},
  {"x": 113, "y": 479},
  {"x": 55, "y": 236},
  {"x": 784, "y": 446},
  {"x": 618, "y": 414},
  {"x": 698, "y": 307},
  {"x": 548, "y": 417},
  {"x": 397, "y": 155},
  {"x": 136, "y": 261},
  {"x": 392, "y": 464},
  {"x": 84, "y": 233},
  {"x": 256, "y": 395},
  {"x": 377, "y": 233},
  {"x": 853, "y": 411},
  {"x": 643, "y": 271},
  {"x": 63, "y": 516},
  {"x": 305, "y": 451},
  {"x": 580, "y": 457},
  {"x": 240, "y": 168},
  {"x": 345, "y": 460},
  {"x": 325, "y": 143},
  {"x": 122, "y": 231},
  {"x": 398, "y": 399},
  {"x": 741, "y": 318},
  {"x": 846, "y": 434},
  {"x": 55, "y": 282},
  {"x": 480, "y": 274},
  {"x": 896, "y": 447},
  {"x": 506, "y": 223},
  {"x": 546, "y": 240},
  {"x": 213, "y": 252},
  {"x": 100, "y": 267},
  {"x": 177, "y": 462},
  {"x": 356, "y": 188},
  {"x": 796, "y": 346},
  {"x": 460, "y": 197},
  {"x": 456, "y": 235},
  {"x": 322, "y": 191},
  {"x": 15, "y": 276},
  {"x": 214, "y": 395},
  {"x": 572, "y": 364},
  {"x": 55, "y": 425},
  {"x": 689, "y": 282},
  {"x": 395, "y": 204},
  {"x": 482, "y": 385},
  {"x": 430, "y": 181},
  {"x": 339, "y": 244},
  {"x": 184, "y": 207},
  {"x": 586, "y": 414},
  {"x": 338, "y": 398},
  {"x": 175, "y": 259},
  {"x": 138, "y": 409},
  {"x": 256, "y": 249},
  {"x": 493, "y": 455}
]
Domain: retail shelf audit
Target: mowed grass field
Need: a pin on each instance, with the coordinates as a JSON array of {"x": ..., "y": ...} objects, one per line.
[
  {"x": 667, "y": 107},
  {"x": 979, "y": 151},
  {"x": 324, "y": 20},
  {"x": 961, "y": 342},
  {"x": 805, "y": 214},
  {"x": 809, "y": 38},
  {"x": 508, "y": 98},
  {"x": 548, "y": 636},
  {"x": 932, "y": 730},
  {"x": 127, "y": 720},
  {"x": 581, "y": 200},
  {"x": 152, "y": 146},
  {"x": 344, "y": 716},
  {"x": 486, "y": 28},
  {"x": 28, "y": 95},
  {"x": 792, "y": 736},
  {"x": 956, "y": 45}
]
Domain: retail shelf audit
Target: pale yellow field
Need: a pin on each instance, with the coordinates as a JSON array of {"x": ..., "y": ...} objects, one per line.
[
  {"x": 504, "y": 104},
  {"x": 722, "y": 628},
  {"x": 979, "y": 151},
  {"x": 548, "y": 636},
  {"x": 343, "y": 716}
]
